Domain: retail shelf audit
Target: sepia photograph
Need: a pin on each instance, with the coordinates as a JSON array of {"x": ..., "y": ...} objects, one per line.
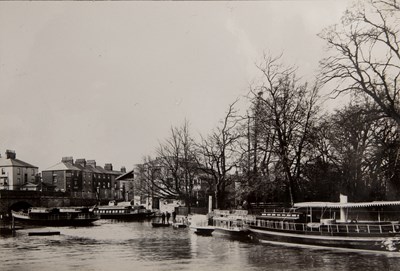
[{"x": 200, "y": 135}]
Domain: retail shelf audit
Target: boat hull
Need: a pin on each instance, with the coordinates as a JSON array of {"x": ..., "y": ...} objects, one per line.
[
  {"x": 390, "y": 243},
  {"x": 206, "y": 231},
  {"x": 160, "y": 225},
  {"x": 59, "y": 223},
  {"x": 55, "y": 220},
  {"x": 128, "y": 217},
  {"x": 179, "y": 225},
  {"x": 232, "y": 233}
]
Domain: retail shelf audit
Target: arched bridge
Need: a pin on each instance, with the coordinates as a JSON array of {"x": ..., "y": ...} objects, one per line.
[{"x": 17, "y": 200}]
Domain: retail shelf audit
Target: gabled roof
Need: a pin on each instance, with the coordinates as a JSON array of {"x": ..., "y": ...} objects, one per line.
[
  {"x": 62, "y": 166},
  {"x": 100, "y": 169},
  {"x": 93, "y": 169},
  {"x": 115, "y": 172},
  {"x": 128, "y": 175},
  {"x": 86, "y": 169},
  {"x": 4, "y": 162}
]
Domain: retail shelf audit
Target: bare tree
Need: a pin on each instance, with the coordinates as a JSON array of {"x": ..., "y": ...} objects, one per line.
[
  {"x": 366, "y": 54},
  {"x": 351, "y": 138},
  {"x": 172, "y": 173},
  {"x": 257, "y": 156},
  {"x": 355, "y": 152},
  {"x": 290, "y": 108},
  {"x": 218, "y": 155}
]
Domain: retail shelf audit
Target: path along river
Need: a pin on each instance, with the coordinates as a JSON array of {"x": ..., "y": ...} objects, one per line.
[{"x": 117, "y": 246}]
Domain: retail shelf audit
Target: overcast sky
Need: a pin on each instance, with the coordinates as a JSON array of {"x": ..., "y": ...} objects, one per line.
[{"x": 107, "y": 80}]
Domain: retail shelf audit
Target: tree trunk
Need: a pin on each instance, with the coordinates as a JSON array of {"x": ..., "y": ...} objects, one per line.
[{"x": 216, "y": 199}]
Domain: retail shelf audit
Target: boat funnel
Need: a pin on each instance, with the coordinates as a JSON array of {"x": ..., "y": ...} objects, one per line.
[
  {"x": 343, "y": 211},
  {"x": 209, "y": 204}
]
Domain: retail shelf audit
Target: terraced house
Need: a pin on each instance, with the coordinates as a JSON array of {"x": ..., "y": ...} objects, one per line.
[{"x": 84, "y": 178}]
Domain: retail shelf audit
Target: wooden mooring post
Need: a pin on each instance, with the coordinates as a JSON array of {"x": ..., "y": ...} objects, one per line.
[{"x": 12, "y": 225}]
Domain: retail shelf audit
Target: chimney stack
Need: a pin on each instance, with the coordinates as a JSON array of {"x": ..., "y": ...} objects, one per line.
[
  {"x": 68, "y": 159},
  {"x": 123, "y": 169},
  {"x": 10, "y": 154},
  {"x": 108, "y": 167},
  {"x": 91, "y": 163},
  {"x": 81, "y": 162}
]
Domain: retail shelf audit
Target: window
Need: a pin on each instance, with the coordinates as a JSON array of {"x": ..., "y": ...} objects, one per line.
[
  {"x": 18, "y": 171},
  {"x": 3, "y": 171}
]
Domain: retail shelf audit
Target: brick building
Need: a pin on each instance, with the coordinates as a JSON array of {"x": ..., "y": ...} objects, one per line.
[{"x": 84, "y": 178}]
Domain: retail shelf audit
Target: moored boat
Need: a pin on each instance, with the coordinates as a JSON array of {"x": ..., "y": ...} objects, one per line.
[
  {"x": 230, "y": 222},
  {"x": 316, "y": 224},
  {"x": 121, "y": 212},
  {"x": 160, "y": 224},
  {"x": 202, "y": 230},
  {"x": 58, "y": 216},
  {"x": 179, "y": 225},
  {"x": 199, "y": 224}
]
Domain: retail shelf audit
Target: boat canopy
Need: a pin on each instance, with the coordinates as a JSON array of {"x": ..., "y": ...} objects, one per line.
[{"x": 345, "y": 205}]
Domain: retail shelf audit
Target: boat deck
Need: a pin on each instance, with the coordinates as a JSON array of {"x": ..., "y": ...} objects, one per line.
[{"x": 343, "y": 229}]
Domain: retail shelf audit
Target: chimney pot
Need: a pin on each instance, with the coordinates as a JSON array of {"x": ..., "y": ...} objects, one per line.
[
  {"x": 81, "y": 162},
  {"x": 10, "y": 154},
  {"x": 67, "y": 159},
  {"x": 91, "y": 163},
  {"x": 108, "y": 167}
]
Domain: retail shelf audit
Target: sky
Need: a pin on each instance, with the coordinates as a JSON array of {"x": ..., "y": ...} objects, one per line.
[{"x": 107, "y": 80}]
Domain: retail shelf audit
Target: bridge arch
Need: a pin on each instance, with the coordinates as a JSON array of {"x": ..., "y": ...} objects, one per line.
[{"x": 19, "y": 205}]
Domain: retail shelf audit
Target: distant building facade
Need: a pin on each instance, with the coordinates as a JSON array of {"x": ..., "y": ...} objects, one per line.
[
  {"x": 15, "y": 173},
  {"x": 84, "y": 178},
  {"x": 132, "y": 190},
  {"x": 157, "y": 171}
]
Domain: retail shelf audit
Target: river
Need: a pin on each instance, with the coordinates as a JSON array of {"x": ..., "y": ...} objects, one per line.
[{"x": 111, "y": 245}]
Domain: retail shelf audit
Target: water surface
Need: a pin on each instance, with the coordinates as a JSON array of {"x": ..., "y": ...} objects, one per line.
[{"x": 111, "y": 245}]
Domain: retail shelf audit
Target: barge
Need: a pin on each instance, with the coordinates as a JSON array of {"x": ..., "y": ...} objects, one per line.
[{"x": 59, "y": 216}]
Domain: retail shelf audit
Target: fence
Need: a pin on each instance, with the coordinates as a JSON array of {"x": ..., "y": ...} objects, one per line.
[{"x": 193, "y": 210}]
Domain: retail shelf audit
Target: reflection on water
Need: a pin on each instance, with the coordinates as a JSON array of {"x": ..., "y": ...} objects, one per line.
[{"x": 112, "y": 245}]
